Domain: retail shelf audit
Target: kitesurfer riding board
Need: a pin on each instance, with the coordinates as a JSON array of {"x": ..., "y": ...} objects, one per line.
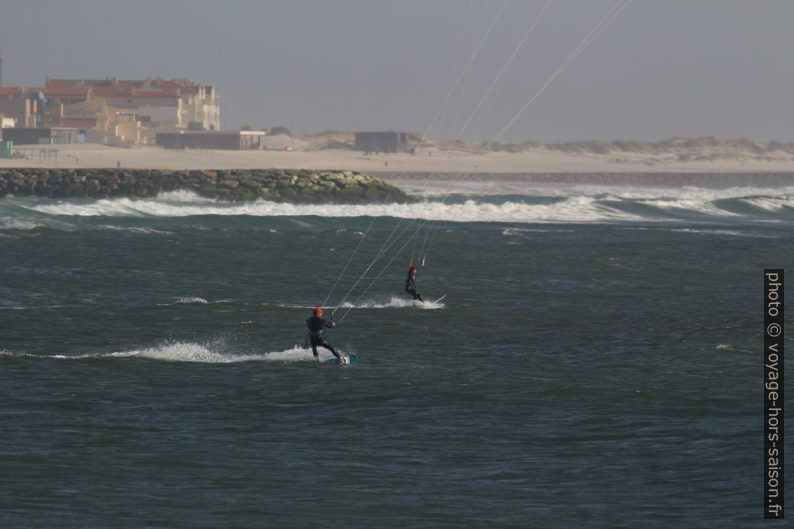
[
  {"x": 317, "y": 326},
  {"x": 410, "y": 282}
]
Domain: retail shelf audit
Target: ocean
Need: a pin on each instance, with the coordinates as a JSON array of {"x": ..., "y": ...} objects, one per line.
[{"x": 596, "y": 362}]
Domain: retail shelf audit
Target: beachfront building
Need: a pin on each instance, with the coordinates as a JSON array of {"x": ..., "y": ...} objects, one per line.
[
  {"x": 160, "y": 105},
  {"x": 233, "y": 140},
  {"x": 40, "y": 135},
  {"x": 111, "y": 111},
  {"x": 98, "y": 121},
  {"x": 20, "y": 105},
  {"x": 386, "y": 141}
]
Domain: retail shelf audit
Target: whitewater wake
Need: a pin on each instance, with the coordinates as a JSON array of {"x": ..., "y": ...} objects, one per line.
[
  {"x": 188, "y": 352},
  {"x": 395, "y": 302},
  {"x": 193, "y": 300}
]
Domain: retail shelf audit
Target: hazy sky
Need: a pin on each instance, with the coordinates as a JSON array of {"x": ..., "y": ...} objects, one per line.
[{"x": 661, "y": 68}]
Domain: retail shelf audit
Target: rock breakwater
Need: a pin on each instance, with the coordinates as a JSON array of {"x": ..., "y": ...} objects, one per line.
[{"x": 239, "y": 185}]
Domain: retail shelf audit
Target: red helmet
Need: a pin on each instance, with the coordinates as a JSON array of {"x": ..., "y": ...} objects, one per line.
[{"x": 318, "y": 311}]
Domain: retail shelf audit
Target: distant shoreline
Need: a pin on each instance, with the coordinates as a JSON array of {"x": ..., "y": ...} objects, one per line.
[
  {"x": 665, "y": 179},
  {"x": 543, "y": 165}
]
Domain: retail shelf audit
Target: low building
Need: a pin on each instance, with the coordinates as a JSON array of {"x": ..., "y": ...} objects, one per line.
[
  {"x": 386, "y": 141},
  {"x": 194, "y": 139},
  {"x": 40, "y": 135}
]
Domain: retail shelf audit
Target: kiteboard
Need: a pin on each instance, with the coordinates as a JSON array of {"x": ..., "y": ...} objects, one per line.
[
  {"x": 349, "y": 359},
  {"x": 439, "y": 299}
]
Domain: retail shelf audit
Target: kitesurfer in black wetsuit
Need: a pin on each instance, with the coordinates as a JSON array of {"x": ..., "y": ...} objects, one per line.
[
  {"x": 410, "y": 283},
  {"x": 317, "y": 326}
]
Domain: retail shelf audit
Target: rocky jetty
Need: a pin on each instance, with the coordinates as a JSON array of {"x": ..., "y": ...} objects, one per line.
[{"x": 346, "y": 187}]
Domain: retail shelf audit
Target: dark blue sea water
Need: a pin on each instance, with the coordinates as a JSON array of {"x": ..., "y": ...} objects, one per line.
[{"x": 597, "y": 361}]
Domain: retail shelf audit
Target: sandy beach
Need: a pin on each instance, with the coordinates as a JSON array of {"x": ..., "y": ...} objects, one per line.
[{"x": 425, "y": 161}]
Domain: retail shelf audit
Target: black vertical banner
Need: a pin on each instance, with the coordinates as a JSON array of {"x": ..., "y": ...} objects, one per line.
[{"x": 773, "y": 393}]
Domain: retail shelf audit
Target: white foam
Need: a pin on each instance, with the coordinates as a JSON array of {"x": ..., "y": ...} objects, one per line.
[
  {"x": 573, "y": 209},
  {"x": 697, "y": 205},
  {"x": 29, "y": 224},
  {"x": 775, "y": 204},
  {"x": 182, "y": 196},
  {"x": 136, "y": 229},
  {"x": 192, "y": 300},
  {"x": 190, "y": 352},
  {"x": 572, "y": 204},
  {"x": 19, "y": 224},
  {"x": 730, "y": 233},
  {"x": 394, "y": 302},
  {"x": 687, "y": 192},
  {"x": 729, "y": 347},
  {"x": 193, "y": 352},
  {"x": 523, "y": 232}
]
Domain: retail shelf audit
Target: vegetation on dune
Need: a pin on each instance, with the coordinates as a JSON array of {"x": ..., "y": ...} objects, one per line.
[
  {"x": 281, "y": 129},
  {"x": 686, "y": 149}
]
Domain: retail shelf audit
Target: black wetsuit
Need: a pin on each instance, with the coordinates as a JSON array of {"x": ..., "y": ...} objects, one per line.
[
  {"x": 410, "y": 286},
  {"x": 317, "y": 326}
]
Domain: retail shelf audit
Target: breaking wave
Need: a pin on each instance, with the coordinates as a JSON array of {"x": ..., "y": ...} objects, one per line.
[
  {"x": 569, "y": 209},
  {"x": 537, "y": 205}
]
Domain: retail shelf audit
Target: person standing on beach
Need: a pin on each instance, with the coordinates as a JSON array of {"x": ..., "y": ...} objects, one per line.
[{"x": 317, "y": 325}]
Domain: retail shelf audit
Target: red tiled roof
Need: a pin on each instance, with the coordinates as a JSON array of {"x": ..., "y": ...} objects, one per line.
[
  {"x": 11, "y": 91},
  {"x": 53, "y": 91},
  {"x": 56, "y": 91},
  {"x": 52, "y": 83},
  {"x": 110, "y": 91},
  {"x": 154, "y": 95},
  {"x": 128, "y": 92},
  {"x": 85, "y": 88},
  {"x": 165, "y": 85}
]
